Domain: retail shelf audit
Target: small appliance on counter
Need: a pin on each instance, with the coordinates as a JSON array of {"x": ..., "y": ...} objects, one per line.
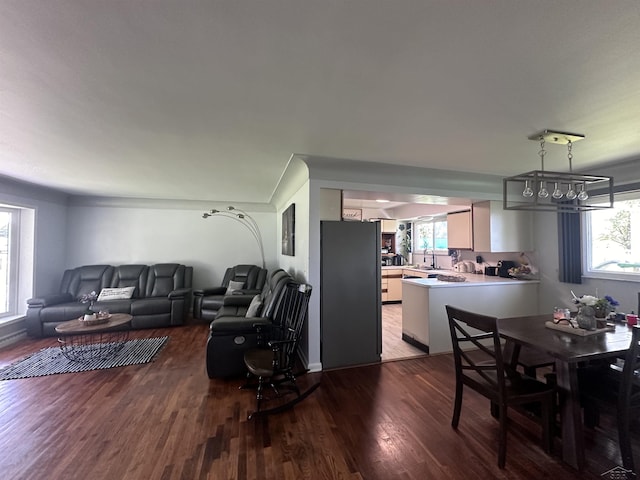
[
  {"x": 491, "y": 271},
  {"x": 464, "y": 267},
  {"x": 504, "y": 266}
]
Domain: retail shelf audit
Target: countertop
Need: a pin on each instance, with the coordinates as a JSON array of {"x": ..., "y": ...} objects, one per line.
[{"x": 472, "y": 280}]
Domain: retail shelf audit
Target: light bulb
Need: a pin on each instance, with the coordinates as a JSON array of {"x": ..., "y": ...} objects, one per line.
[
  {"x": 527, "y": 192},
  {"x": 571, "y": 193},
  {"x": 583, "y": 195},
  {"x": 557, "y": 193},
  {"x": 543, "y": 193}
]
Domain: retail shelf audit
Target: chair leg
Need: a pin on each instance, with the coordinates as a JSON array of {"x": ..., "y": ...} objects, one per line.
[
  {"x": 502, "y": 442},
  {"x": 548, "y": 424},
  {"x": 495, "y": 410},
  {"x": 457, "y": 405},
  {"x": 591, "y": 416},
  {"x": 624, "y": 439},
  {"x": 259, "y": 394}
]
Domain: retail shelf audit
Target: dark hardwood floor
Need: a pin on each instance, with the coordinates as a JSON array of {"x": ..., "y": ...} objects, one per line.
[{"x": 167, "y": 420}]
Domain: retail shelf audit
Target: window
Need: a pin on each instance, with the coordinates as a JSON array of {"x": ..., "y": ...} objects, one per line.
[
  {"x": 430, "y": 236},
  {"x": 612, "y": 239},
  {"x": 8, "y": 260},
  {"x": 17, "y": 228}
]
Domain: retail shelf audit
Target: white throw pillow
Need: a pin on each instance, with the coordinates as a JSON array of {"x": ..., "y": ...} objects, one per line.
[
  {"x": 123, "y": 293},
  {"x": 254, "y": 307},
  {"x": 233, "y": 286}
]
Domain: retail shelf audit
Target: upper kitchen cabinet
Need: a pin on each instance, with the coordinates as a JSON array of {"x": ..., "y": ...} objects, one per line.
[
  {"x": 388, "y": 226},
  {"x": 459, "y": 230},
  {"x": 499, "y": 230}
]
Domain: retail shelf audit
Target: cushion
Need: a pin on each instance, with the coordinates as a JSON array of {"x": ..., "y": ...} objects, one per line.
[
  {"x": 233, "y": 286},
  {"x": 123, "y": 293},
  {"x": 254, "y": 307}
]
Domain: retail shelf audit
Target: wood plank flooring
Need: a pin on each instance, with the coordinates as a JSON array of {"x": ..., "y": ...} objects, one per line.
[
  {"x": 393, "y": 347},
  {"x": 166, "y": 420}
]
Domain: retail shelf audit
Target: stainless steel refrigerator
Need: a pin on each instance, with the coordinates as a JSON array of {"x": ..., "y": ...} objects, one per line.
[{"x": 350, "y": 306}]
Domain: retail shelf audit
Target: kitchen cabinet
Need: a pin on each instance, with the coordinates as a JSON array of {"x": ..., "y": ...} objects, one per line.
[
  {"x": 388, "y": 226},
  {"x": 459, "y": 230},
  {"x": 391, "y": 284},
  {"x": 499, "y": 230},
  {"x": 424, "y": 317}
]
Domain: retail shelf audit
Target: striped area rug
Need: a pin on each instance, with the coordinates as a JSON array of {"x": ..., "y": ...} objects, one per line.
[{"x": 50, "y": 361}]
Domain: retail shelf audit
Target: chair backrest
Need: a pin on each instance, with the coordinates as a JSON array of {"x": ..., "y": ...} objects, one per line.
[
  {"x": 252, "y": 276},
  {"x": 629, "y": 390},
  {"x": 291, "y": 313},
  {"x": 477, "y": 356},
  {"x": 272, "y": 290}
]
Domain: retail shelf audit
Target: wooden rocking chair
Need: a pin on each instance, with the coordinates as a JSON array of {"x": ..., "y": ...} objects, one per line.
[{"x": 274, "y": 364}]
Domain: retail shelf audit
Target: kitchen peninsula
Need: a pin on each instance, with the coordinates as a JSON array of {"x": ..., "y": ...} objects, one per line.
[{"x": 424, "y": 319}]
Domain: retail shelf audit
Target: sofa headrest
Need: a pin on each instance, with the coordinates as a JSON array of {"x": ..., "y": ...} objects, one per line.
[
  {"x": 131, "y": 276},
  {"x": 163, "y": 278},
  {"x": 86, "y": 279}
]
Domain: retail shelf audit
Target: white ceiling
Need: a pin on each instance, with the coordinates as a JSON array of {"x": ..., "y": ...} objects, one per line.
[{"x": 198, "y": 100}]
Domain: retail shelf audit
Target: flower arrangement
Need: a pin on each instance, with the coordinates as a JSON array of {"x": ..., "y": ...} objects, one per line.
[
  {"x": 601, "y": 306},
  {"x": 89, "y": 298}
]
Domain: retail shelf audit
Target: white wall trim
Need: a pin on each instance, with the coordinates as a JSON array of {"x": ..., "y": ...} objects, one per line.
[{"x": 12, "y": 338}]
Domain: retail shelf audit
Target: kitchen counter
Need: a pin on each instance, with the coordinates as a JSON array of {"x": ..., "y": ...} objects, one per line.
[
  {"x": 471, "y": 280},
  {"x": 424, "y": 318}
]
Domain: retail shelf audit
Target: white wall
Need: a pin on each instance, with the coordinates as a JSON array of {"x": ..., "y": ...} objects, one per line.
[
  {"x": 49, "y": 238},
  {"x": 146, "y": 234}
]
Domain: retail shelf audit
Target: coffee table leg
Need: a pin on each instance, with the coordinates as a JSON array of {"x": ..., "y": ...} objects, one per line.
[{"x": 92, "y": 346}]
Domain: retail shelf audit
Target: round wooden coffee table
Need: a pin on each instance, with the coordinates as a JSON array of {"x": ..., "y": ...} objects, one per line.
[{"x": 80, "y": 342}]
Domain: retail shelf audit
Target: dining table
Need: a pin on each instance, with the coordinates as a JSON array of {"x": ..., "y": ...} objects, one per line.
[{"x": 569, "y": 350}]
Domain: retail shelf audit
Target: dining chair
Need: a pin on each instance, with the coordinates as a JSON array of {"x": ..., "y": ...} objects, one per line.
[
  {"x": 616, "y": 387},
  {"x": 479, "y": 365}
]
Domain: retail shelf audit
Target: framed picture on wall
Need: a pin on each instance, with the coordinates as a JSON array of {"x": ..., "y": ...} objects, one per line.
[{"x": 288, "y": 230}]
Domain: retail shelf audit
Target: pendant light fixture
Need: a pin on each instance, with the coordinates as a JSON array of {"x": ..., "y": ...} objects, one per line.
[{"x": 571, "y": 191}]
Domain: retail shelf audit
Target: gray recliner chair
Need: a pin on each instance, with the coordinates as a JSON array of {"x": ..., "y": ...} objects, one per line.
[
  {"x": 207, "y": 302},
  {"x": 232, "y": 333}
]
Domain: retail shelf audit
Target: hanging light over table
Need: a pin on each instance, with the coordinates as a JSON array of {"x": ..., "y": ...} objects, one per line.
[{"x": 571, "y": 192}]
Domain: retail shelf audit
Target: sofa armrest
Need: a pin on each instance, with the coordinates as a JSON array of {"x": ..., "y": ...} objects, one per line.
[
  {"x": 237, "y": 300},
  {"x": 48, "y": 300},
  {"x": 180, "y": 293},
  {"x": 210, "y": 291},
  {"x": 253, "y": 293}
]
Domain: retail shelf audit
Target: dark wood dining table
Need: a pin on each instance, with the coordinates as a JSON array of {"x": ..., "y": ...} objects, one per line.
[{"x": 567, "y": 350}]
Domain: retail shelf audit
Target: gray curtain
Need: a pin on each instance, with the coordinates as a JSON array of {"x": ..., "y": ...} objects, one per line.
[{"x": 569, "y": 247}]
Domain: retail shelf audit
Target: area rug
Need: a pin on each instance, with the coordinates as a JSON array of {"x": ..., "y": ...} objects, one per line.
[{"x": 50, "y": 361}]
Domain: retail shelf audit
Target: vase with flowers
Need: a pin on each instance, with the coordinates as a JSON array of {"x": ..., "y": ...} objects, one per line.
[
  {"x": 591, "y": 307},
  {"x": 90, "y": 298}
]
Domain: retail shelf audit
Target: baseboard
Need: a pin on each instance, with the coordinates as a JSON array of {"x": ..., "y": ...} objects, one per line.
[
  {"x": 313, "y": 367},
  {"x": 415, "y": 343},
  {"x": 12, "y": 338}
]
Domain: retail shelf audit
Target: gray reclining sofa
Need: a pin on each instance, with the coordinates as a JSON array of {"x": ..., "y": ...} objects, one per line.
[{"x": 161, "y": 297}]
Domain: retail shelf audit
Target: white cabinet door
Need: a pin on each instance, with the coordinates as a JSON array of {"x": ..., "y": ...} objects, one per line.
[
  {"x": 499, "y": 230},
  {"x": 459, "y": 231},
  {"x": 388, "y": 226}
]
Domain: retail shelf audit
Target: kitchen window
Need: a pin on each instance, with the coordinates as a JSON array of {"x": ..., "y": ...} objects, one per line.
[
  {"x": 430, "y": 237},
  {"x": 612, "y": 240}
]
